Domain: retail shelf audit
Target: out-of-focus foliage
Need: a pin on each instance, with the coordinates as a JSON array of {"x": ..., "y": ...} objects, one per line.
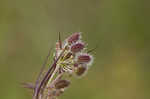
[{"x": 120, "y": 28}]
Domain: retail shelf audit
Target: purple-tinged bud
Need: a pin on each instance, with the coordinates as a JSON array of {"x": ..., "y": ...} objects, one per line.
[
  {"x": 74, "y": 38},
  {"x": 62, "y": 84},
  {"x": 77, "y": 47},
  {"x": 85, "y": 58},
  {"x": 81, "y": 70}
]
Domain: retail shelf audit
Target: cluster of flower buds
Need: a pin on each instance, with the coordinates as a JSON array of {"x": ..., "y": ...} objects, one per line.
[{"x": 73, "y": 60}]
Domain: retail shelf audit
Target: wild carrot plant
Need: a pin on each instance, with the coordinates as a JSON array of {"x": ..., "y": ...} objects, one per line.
[{"x": 71, "y": 59}]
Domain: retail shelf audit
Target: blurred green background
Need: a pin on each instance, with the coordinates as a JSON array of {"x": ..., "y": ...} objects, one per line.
[{"x": 121, "y": 28}]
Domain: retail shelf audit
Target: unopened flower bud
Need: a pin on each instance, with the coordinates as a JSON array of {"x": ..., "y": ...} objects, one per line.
[
  {"x": 74, "y": 38},
  {"x": 81, "y": 70},
  {"x": 85, "y": 58},
  {"x": 62, "y": 84},
  {"x": 77, "y": 47}
]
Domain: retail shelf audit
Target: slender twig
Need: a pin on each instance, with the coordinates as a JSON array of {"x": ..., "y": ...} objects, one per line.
[
  {"x": 46, "y": 77},
  {"x": 43, "y": 66},
  {"x": 41, "y": 71}
]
